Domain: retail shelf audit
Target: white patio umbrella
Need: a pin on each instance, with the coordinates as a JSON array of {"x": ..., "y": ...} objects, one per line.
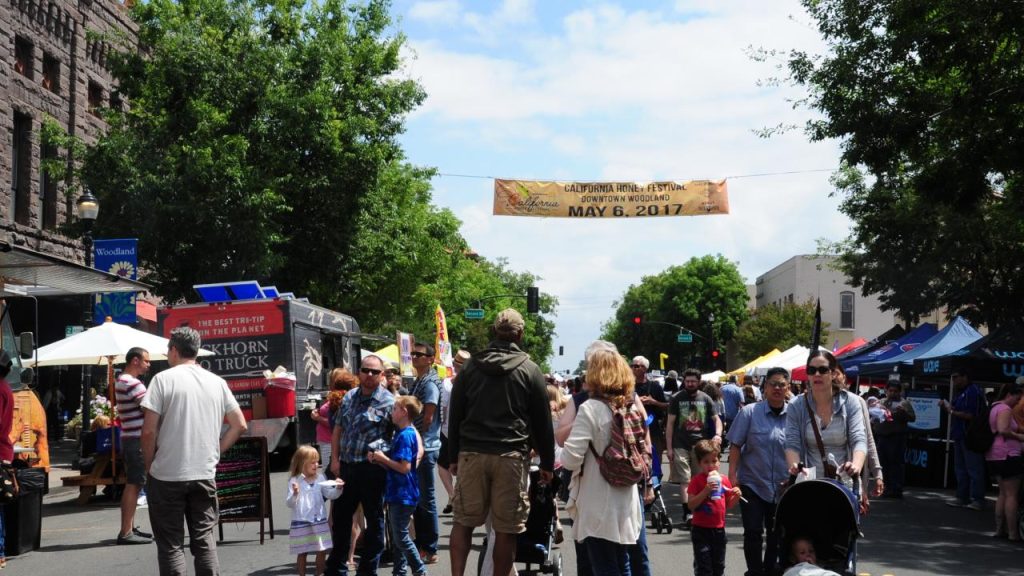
[{"x": 103, "y": 344}]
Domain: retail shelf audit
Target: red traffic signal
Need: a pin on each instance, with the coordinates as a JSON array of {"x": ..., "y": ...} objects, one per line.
[
  {"x": 714, "y": 353},
  {"x": 637, "y": 320}
]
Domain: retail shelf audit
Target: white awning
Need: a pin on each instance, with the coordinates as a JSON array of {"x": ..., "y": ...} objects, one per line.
[{"x": 25, "y": 272}]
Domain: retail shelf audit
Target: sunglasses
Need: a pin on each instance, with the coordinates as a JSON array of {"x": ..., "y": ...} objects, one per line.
[
  {"x": 812, "y": 370},
  {"x": 370, "y": 371},
  {"x": 779, "y": 384},
  {"x": 419, "y": 355}
]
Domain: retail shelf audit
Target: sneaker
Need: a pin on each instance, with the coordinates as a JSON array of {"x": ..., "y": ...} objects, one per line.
[
  {"x": 687, "y": 523},
  {"x": 428, "y": 558},
  {"x": 139, "y": 532},
  {"x": 976, "y": 506},
  {"x": 142, "y": 502},
  {"x": 132, "y": 538},
  {"x": 956, "y": 503}
]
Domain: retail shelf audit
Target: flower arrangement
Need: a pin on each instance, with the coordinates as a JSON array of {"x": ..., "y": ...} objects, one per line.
[{"x": 98, "y": 405}]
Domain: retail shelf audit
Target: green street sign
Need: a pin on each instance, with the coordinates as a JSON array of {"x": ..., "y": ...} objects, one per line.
[
  {"x": 684, "y": 338},
  {"x": 474, "y": 313}
]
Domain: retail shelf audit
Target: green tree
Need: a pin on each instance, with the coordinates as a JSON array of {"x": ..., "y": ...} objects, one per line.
[
  {"x": 779, "y": 327},
  {"x": 687, "y": 295},
  {"x": 924, "y": 98},
  {"x": 257, "y": 136}
]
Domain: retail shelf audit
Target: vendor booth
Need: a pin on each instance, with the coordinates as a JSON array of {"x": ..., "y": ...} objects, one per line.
[{"x": 902, "y": 344}]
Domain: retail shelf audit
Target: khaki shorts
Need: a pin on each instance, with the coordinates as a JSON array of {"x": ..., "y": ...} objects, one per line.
[
  {"x": 494, "y": 484},
  {"x": 683, "y": 461}
]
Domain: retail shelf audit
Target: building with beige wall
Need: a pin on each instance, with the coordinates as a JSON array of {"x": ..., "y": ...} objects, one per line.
[{"x": 809, "y": 276}]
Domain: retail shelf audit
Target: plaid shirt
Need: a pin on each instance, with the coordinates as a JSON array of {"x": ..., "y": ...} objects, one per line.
[{"x": 363, "y": 419}]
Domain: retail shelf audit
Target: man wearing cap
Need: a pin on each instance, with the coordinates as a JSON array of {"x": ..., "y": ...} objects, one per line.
[
  {"x": 499, "y": 410},
  {"x": 427, "y": 389},
  {"x": 360, "y": 424}
]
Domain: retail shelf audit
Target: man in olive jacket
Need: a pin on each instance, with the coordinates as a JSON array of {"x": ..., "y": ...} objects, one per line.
[{"x": 499, "y": 410}]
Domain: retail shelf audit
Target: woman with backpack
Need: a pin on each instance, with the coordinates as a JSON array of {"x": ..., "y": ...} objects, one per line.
[
  {"x": 607, "y": 515},
  {"x": 1004, "y": 459}
]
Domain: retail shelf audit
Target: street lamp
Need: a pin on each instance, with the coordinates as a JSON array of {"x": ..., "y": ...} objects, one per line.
[{"x": 88, "y": 208}]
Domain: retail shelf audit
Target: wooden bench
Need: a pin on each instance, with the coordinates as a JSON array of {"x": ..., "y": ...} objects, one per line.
[{"x": 87, "y": 483}]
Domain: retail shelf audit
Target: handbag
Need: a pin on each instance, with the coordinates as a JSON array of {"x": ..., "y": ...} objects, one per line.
[
  {"x": 8, "y": 484},
  {"x": 830, "y": 469}
]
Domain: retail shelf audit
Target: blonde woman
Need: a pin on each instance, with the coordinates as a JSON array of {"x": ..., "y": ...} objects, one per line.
[{"x": 606, "y": 519}]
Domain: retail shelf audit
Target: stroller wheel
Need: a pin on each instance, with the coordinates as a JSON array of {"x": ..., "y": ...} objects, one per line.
[
  {"x": 667, "y": 522},
  {"x": 556, "y": 565}
]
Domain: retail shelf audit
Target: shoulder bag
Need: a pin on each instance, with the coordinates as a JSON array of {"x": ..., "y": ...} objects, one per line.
[{"x": 828, "y": 468}]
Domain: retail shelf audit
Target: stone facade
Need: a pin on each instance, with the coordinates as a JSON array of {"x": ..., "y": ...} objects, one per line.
[{"x": 53, "y": 63}]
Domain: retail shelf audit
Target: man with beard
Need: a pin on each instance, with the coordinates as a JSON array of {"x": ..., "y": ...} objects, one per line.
[
  {"x": 692, "y": 417},
  {"x": 653, "y": 398}
]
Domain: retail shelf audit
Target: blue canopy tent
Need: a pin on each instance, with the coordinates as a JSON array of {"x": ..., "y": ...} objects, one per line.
[
  {"x": 902, "y": 344},
  {"x": 955, "y": 336},
  {"x": 875, "y": 343},
  {"x": 998, "y": 357}
]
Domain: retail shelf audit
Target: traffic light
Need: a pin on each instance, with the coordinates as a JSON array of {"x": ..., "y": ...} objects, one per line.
[
  {"x": 532, "y": 300},
  {"x": 714, "y": 354},
  {"x": 561, "y": 350},
  {"x": 637, "y": 320}
]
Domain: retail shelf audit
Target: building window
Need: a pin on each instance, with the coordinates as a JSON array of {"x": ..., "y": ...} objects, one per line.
[
  {"x": 51, "y": 73},
  {"x": 21, "y": 201},
  {"x": 846, "y": 310},
  {"x": 23, "y": 56},
  {"x": 48, "y": 189},
  {"x": 95, "y": 98},
  {"x": 116, "y": 104}
]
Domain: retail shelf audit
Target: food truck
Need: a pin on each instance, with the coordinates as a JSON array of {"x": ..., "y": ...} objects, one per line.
[{"x": 249, "y": 337}]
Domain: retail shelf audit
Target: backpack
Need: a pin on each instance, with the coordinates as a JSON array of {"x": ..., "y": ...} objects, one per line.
[
  {"x": 626, "y": 461},
  {"x": 979, "y": 435}
]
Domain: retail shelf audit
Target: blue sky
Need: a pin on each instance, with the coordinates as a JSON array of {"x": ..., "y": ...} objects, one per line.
[{"x": 615, "y": 91}]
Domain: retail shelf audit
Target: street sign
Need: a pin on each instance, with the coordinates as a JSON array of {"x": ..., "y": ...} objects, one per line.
[
  {"x": 70, "y": 331},
  {"x": 474, "y": 313},
  {"x": 684, "y": 337}
]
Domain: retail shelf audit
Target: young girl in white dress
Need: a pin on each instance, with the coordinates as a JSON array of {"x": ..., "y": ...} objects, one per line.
[{"x": 308, "y": 493}]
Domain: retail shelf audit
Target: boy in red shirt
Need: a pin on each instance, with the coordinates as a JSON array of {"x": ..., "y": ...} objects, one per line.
[{"x": 710, "y": 494}]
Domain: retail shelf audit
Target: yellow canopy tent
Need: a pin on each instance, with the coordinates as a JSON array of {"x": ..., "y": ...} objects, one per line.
[
  {"x": 743, "y": 369},
  {"x": 389, "y": 352}
]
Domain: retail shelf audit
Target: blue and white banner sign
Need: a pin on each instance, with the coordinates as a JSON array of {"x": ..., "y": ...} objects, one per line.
[{"x": 119, "y": 257}]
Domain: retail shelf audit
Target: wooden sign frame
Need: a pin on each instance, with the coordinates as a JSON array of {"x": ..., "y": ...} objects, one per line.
[{"x": 237, "y": 465}]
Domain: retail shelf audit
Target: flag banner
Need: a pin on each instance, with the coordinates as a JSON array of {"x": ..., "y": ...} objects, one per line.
[
  {"x": 816, "y": 333},
  {"x": 119, "y": 257},
  {"x": 442, "y": 347},
  {"x": 610, "y": 199},
  {"x": 405, "y": 342}
]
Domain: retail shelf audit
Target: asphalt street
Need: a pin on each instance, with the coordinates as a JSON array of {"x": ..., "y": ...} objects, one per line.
[{"x": 919, "y": 535}]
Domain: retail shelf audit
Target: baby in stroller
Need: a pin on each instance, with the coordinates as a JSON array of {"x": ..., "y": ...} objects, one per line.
[{"x": 804, "y": 560}]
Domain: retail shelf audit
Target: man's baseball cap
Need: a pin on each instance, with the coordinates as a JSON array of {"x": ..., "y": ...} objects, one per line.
[{"x": 509, "y": 320}]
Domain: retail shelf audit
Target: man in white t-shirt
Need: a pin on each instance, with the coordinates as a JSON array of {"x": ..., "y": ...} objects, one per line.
[{"x": 181, "y": 445}]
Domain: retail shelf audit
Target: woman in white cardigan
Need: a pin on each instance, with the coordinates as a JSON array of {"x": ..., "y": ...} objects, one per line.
[{"x": 606, "y": 519}]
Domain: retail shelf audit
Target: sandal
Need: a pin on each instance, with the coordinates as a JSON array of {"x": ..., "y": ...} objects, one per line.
[{"x": 3, "y": 563}]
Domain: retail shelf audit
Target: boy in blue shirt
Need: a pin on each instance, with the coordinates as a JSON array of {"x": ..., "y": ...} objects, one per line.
[{"x": 402, "y": 491}]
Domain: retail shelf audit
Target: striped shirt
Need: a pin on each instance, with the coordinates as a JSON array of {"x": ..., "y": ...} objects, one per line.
[{"x": 130, "y": 392}]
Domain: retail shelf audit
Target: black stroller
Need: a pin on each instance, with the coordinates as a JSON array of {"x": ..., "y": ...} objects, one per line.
[
  {"x": 536, "y": 547},
  {"x": 656, "y": 510},
  {"x": 828, "y": 514}
]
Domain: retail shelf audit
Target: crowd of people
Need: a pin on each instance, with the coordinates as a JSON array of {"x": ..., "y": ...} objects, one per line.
[{"x": 481, "y": 429}]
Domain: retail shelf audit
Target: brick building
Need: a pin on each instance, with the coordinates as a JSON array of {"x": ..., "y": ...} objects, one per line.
[{"x": 52, "y": 64}]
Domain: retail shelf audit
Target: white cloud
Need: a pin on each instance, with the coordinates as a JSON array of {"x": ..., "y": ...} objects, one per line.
[
  {"x": 435, "y": 11},
  {"x": 624, "y": 94}
]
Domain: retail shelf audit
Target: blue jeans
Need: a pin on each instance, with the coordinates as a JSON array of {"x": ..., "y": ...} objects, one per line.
[
  {"x": 405, "y": 551},
  {"x": 892, "y": 451},
  {"x": 364, "y": 484},
  {"x": 708, "y": 551},
  {"x": 3, "y": 535},
  {"x": 607, "y": 558},
  {"x": 639, "y": 564},
  {"x": 758, "y": 519},
  {"x": 425, "y": 517},
  {"x": 970, "y": 473}
]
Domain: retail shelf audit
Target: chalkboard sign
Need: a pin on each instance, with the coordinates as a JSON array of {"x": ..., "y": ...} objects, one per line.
[{"x": 243, "y": 485}]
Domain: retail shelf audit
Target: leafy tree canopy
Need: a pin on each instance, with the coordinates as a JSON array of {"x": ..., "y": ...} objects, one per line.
[
  {"x": 260, "y": 142},
  {"x": 924, "y": 98},
  {"x": 686, "y": 295},
  {"x": 779, "y": 327}
]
